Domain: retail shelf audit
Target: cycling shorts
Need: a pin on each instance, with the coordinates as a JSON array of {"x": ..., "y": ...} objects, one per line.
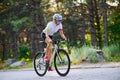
[{"x": 43, "y": 36}]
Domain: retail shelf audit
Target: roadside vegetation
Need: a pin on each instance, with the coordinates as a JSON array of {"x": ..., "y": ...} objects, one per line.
[{"x": 78, "y": 54}]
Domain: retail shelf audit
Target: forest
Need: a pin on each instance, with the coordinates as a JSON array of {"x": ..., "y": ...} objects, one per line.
[{"x": 93, "y": 23}]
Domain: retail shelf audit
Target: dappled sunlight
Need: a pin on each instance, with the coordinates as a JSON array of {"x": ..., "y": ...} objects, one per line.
[
  {"x": 115, "y": 3},
  {"x": 87, "y": 24}
]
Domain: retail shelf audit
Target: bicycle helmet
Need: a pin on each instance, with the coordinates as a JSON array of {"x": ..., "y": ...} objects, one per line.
[{"x": 57, "y": 17}]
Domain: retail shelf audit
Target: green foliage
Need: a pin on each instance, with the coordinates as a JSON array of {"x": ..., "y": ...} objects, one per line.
[
  {"x": 112, "y": 52},
  {"x": 21, "y": 23},
  {"x": 114, "y": 26},
  {"x": 24, "y": 51},
  {"x": 18, "y": 23},
  {"x": 80, "y": 54},
  {"x": 20, "y": 16},
  {"x": 1, "y": 64}
]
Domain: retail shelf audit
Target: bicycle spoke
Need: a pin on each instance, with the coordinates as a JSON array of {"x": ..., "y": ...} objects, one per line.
[
  {"x": 62, "y": 63},
  {"x": 40, "y": 64}
]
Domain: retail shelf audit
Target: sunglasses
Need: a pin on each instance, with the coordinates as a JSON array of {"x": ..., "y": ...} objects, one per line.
[{"x": 59, "y": 20}]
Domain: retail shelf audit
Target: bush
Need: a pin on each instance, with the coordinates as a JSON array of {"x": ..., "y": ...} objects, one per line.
[
  {"x": 84, "y": 53},
  {"x": 112, "y": 52},
  {"x": 24, "y": 51},
  {"x": 1, "y": 65}
]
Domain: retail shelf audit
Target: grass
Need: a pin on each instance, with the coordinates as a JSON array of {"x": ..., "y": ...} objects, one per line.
[
  {"x": 112, "y": 52},
  {"x": 1, "y": 65},
  {"x": 80, "y": 54}
]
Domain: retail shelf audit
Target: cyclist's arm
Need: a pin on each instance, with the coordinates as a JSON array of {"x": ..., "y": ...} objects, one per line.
[
  {"x": 62, "y": 34},
  {"x": 47, "y": 34},
  {"x": 47, "y": 31}
]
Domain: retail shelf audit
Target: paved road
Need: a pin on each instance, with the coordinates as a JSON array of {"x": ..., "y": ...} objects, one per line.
[{"x": 74, "y": 74}]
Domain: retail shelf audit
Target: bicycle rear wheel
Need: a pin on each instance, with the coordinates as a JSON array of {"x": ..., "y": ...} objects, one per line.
[
  {"x": 40, "y": 65},
  {"x": 62, "y": 62}
]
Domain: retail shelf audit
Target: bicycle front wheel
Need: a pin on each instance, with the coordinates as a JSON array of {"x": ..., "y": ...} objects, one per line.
[
  {"x": 40, "y": 65},
  {"x": 62, "y": 62}
]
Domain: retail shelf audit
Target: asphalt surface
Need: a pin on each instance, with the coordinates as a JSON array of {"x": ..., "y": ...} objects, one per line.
[
  {"x": 83, "y": 71},
  {"x": 74, "y": 74}
]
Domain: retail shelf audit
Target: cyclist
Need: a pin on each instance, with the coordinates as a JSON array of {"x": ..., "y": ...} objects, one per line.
[{"x": 47, "y": 34}]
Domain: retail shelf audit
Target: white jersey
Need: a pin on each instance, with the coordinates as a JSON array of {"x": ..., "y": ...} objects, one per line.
[{"x": 52, "y": 28}]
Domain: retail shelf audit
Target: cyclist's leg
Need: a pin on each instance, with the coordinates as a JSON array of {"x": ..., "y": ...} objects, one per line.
[
  {"x": 48, "y": 53},
  {"x": 48, "y": 48},
  {"x": 49, "y": 44}
]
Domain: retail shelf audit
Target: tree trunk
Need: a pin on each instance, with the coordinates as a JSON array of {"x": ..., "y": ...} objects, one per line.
[
  {"x": 92, "y": 26},
  {"x": 105, "y": 21},
  {"x": 3, "y": 45},
  {"x": 33, "y": 48},
  {"x": 83, "y": 35},
  {"x": 15, "y": 47},
  {"x": 39, "y": 21},
  {"x": 83, "y": 26},
  {"x": 98, "y": 25}
]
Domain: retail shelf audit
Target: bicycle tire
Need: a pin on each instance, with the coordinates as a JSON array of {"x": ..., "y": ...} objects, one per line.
[
  {"x": 62, "y": 53},
  {"x": 37, "y": 64}
]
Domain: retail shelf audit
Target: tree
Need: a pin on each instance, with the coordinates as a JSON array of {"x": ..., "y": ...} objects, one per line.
[
  {"x": 2, "y": 42},
  {"x": 92, "y": 26},
  {"x": 114, "y": 24},
  {"x": 97, "y": 20},
  {"x": 26, "y": 19},
  {"x": 17, "y": 26},
  {"x": 105, "y": 21},
  {"x": 38, "y": 19}
]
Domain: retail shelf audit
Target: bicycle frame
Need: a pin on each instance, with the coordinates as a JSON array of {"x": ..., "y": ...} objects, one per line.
[
  {"x": 58, "y": 56},
  {"x": 55, "y": 47}
]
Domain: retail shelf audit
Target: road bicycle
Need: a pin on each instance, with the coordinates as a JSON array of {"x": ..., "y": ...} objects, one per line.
[{"x": 60, "y": 58}]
